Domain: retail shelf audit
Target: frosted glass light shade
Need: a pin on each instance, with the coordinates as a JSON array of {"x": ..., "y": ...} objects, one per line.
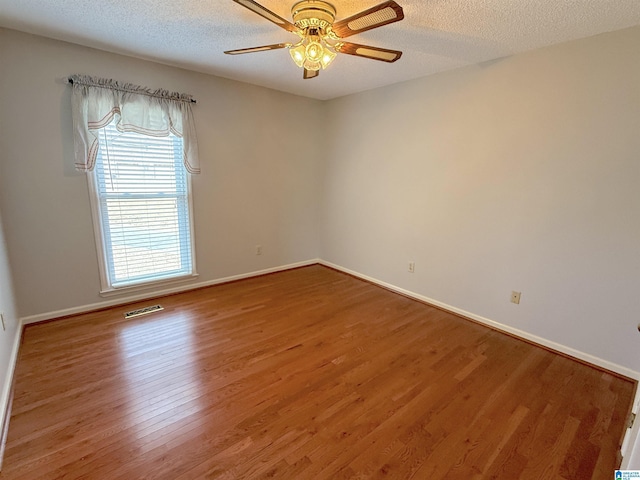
[
  {"x": 312, "y": 53},
  {"x": 327, "y": 57},
  {"x": 298, "y": 55}
]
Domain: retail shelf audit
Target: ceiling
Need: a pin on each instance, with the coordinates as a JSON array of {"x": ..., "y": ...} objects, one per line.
[{"x": 435, "y": 36}]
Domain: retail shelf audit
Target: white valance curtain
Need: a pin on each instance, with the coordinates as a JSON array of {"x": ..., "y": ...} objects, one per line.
[{"x": 96, "y": 101}]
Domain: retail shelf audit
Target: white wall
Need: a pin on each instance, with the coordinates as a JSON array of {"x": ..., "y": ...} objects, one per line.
[
  {"x": 10, "y": 336},
  {"x": 259, "y": 181},
  {"x": 520, "y": 174}
]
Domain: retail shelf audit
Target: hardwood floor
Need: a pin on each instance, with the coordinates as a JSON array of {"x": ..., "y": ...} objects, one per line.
[{"x": 304, "y": 374}]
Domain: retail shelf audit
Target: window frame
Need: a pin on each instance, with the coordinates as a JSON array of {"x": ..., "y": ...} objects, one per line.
[{"x": 106, "y": 286}]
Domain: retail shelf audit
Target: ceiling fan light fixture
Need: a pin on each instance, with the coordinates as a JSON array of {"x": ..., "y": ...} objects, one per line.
[{"x": 312, "y": 53}]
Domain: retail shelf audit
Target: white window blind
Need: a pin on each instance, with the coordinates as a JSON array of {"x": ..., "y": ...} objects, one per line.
[{"x": 142, "y": 195}]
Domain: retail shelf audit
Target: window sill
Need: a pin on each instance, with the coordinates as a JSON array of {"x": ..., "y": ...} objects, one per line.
[{"x": 142, "y": 287}]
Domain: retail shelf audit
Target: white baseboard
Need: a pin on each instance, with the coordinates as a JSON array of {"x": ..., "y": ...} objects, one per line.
[
  {"x": 585, "y": 357},
  {"x": 5, "y": 395},
  {"x": 631, "y": 444},
  {"x": 158, "y": 293}
]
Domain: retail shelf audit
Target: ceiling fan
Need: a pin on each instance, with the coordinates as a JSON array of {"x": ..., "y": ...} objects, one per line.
[{"x": 321, "y": 38}]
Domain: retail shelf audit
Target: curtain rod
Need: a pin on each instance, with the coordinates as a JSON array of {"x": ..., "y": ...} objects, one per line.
[{"x": 70, "y": 80}]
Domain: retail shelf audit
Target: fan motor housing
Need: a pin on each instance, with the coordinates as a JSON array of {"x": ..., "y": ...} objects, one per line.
[{"x": 313, "y": 13}]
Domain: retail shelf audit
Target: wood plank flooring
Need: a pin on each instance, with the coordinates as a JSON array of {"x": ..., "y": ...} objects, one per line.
[{"x": 304, "y": 374}]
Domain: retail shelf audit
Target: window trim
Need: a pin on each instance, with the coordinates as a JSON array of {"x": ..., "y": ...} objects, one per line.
[{"x": 106, "y": 289}]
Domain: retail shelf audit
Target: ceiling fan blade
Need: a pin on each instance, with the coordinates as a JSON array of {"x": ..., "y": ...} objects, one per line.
[
  {"x": 268, "y": 14},
  {"x": 374, "y": 53},
  {"x": 264, "y": 48},
  {"x": 310, "y": 74},
  {"x": 383, "y": 14}
]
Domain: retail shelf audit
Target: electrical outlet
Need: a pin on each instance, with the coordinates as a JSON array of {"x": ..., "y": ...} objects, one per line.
[
  {"x": 412, "y": 267},
  {"x": 258, "y": 249},
  {"x": 4, "y": 327},
  {"x": 515, "y": 297}
]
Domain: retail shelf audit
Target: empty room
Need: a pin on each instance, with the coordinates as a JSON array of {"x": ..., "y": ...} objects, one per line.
[{"x": 319, "y": 240}]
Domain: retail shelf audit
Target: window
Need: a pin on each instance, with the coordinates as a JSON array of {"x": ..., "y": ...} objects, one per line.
[
  {"x": 138, "y": 178},
  {"x": 142, "y": 209}
]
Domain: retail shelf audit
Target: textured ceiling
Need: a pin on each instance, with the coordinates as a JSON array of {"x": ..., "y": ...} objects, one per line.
[{"x": 436, "y": 35}]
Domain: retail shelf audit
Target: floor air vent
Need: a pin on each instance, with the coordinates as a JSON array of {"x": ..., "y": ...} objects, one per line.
[{"x": 143, "y": 311}]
